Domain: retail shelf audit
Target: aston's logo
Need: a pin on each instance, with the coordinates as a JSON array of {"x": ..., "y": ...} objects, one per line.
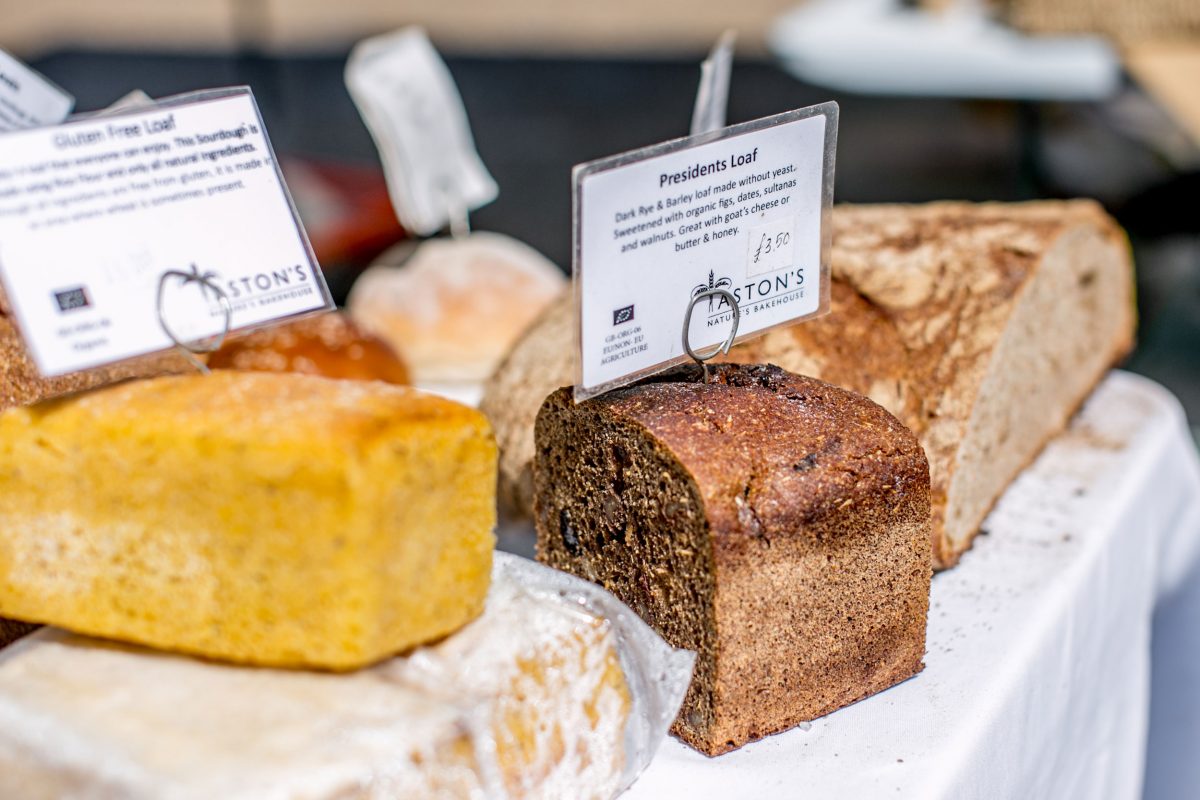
[{"x": 713, "y": 283}]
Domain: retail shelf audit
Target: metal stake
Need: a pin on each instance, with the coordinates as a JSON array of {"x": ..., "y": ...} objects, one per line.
[
  {"x": 206, "y": 280},
  {"x": 687, "y": 327}
]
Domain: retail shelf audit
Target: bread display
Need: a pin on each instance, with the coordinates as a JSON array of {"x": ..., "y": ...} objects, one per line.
[
  {"x": 774, "y": 524},
  {"x": 540, "y": 697},
  {"x": 455, "y": 307},
  {"x": 274, "y": 519},
  {"x": 329, "y": 344},
  {"x": 982, "y": 327}
]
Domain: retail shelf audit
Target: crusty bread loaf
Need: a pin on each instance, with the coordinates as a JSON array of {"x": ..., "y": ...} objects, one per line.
[
  {"x": 777, "y": 525},
  {"x": 455, "y": 306},
  {"x": 981, "y": 326},
  {"x": 266, "y": 518},
  {"x": 330, "y": 344},
  {"x": 542, "y": 361}
]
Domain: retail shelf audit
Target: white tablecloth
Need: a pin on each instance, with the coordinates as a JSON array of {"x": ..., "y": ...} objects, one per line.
[{"x": 1038, "y": 666}]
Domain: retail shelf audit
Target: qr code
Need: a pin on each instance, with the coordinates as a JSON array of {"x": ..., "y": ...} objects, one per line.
[{"x": 71, "y": 299}]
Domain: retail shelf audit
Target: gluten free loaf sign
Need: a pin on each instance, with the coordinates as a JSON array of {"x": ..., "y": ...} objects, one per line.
[
  {"x": 94, "y": 212},
  {"x": 740, "y": 210},
  {"x": 117, "y": 131}
]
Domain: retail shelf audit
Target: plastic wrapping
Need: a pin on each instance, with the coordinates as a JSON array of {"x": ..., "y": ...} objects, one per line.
[
  {"x": 556, "y": 691},
  {"x": 657, "y": 674}
]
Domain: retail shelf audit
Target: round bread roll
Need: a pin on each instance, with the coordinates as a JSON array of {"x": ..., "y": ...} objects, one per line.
[
  {"x": 330, "y": 344},
  {"x": 455, "y": 306}
]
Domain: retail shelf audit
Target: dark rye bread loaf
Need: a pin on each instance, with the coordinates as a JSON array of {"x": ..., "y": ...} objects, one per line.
[{"x": 774, "y": 524}]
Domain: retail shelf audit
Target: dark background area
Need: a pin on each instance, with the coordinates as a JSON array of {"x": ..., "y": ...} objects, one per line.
[{"x": 533, "y": 119}]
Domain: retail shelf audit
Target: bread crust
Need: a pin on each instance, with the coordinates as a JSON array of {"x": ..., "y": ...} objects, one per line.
[
  {"x": 329, "y": 344},
  {"x": 815, "y": 504},
  {"x": 922, "y": 299},
  {"x": 951, "y": 277},
  {"x": 273, "y": 519},
  {"x": 455, "y": 307},
  {"x": 541, "y": 362},
  {"x": 767, "y": 431}
]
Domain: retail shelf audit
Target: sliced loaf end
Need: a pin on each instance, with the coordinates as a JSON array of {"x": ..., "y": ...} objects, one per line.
[
  {"x": 1068, "y": 325},
  {"x": 775, "y": 524}
]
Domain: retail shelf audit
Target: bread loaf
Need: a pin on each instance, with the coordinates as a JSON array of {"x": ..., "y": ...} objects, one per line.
[
  {"x": 455, "y": 306},
  {"x": 982, "y": 327},
  {"x": 542, "y": 361},
  {"x": 528, "y": 701},
  {"x": 329, "y": 344},
  {"x": 276, "y": 519},
  {"x": 775, "y": 524},
  {"x": 22, "y": 384}
]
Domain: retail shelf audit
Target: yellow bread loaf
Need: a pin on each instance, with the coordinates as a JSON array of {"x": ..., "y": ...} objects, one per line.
[{"x": 274, "y": 519}]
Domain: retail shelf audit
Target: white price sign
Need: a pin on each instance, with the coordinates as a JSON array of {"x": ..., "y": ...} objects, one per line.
[
  {"x": 94, "y": 212},
  {"x": 28, "y": 99},
  {"x": 744, "y": 209},
  {"x": 412, "y": 108}
]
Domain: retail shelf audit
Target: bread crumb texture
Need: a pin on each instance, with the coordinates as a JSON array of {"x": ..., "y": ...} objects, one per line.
[
  {"x": 274, "y": 519},
  {"x": 775, "y": 524}
]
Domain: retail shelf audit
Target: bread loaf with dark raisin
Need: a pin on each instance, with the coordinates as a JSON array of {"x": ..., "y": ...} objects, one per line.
[{"x": 774, "y": 524}]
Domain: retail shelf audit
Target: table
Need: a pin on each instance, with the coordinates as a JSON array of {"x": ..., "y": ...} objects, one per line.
[{"x": 1037, "y": 673}]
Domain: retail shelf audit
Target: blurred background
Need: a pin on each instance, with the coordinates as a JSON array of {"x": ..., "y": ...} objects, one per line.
[
  {"x": 1003, "y": 100},
  {"x": 1008, "y": 100}
]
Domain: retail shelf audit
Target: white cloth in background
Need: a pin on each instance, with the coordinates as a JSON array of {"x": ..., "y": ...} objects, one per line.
[
  {"x": 1172, "y": 765},
  {"x": 1038, "y": 665}
]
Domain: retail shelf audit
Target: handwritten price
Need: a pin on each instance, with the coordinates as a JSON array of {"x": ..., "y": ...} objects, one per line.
[{"x": 769, "y": 244}]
